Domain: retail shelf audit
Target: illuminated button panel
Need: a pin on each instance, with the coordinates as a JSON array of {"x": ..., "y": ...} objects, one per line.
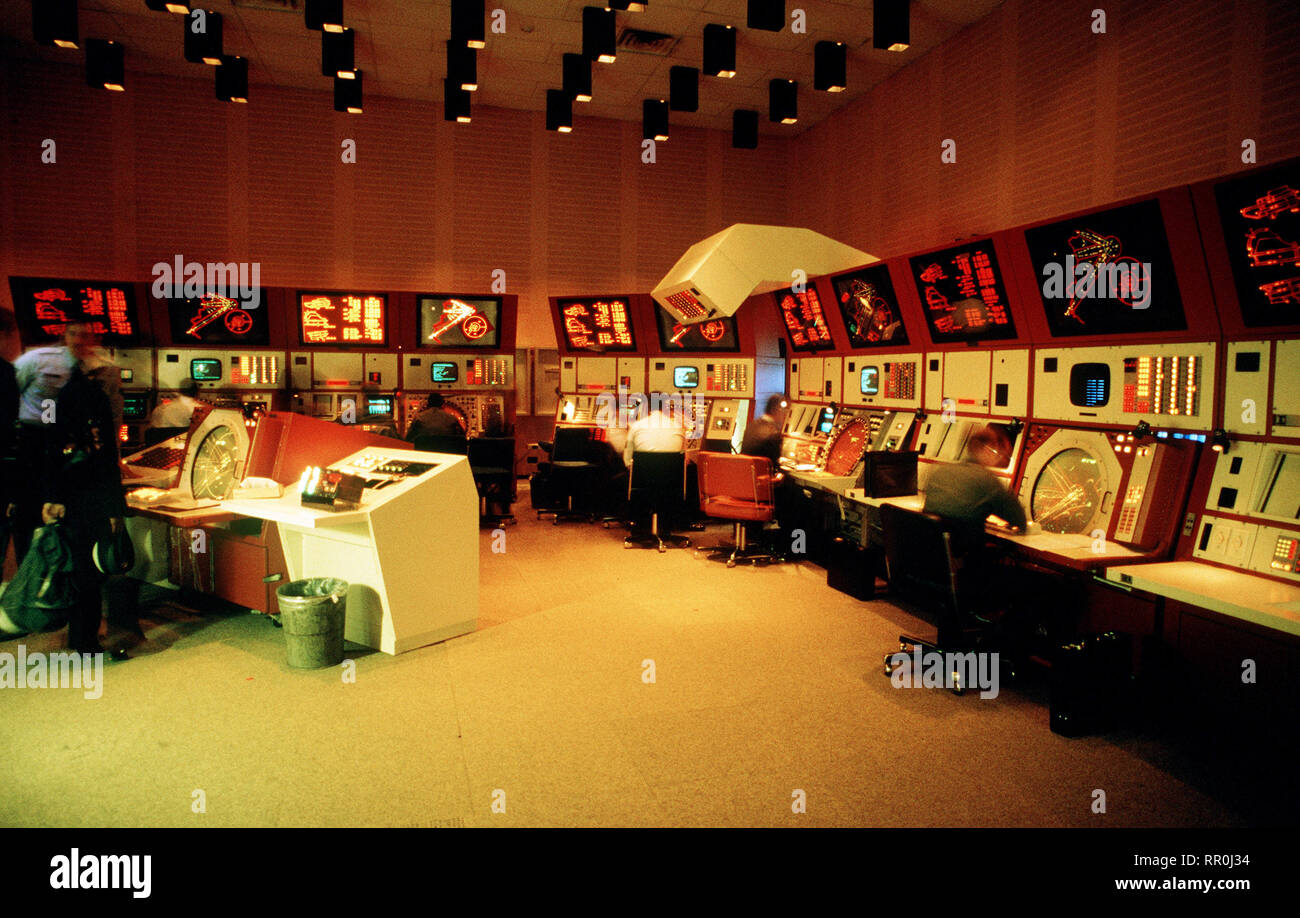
[
  {"x": 1162, "y": 385},
  {"x": 1285, "y": 551},
  {"x": 900, "y": 380},
  {"x": 255, "y": 370},
  {"x": 728, "y": 376}
]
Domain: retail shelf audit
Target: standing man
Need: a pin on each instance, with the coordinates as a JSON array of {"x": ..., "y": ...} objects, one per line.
[{"x": 41, "y": 374}]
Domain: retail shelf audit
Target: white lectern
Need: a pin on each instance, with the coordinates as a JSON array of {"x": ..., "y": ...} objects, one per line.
[{"x": 409, "y": 553}]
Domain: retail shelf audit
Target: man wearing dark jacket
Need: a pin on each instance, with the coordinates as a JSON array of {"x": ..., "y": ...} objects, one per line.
[
  {"x": 82, "y": 488},
  {"x": 8, "y": 418}
]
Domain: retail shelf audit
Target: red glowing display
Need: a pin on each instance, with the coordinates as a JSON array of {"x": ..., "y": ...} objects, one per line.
[
  {"x": 343, "y": 319},
  {"x": 43, "y": 307},
  {"x": 963, "y": 294},
  {"x": 804, "y": 319},
  {"x": 1260, "y": 216},
  {"x": 597, "y": 324}
]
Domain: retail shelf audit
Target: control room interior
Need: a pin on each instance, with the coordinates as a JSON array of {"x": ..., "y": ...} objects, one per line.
[{"x": 934, "y": 231}]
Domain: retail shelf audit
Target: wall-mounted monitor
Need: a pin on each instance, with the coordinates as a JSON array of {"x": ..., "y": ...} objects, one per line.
[
  {"x": 686, "y": 377},
  {"x": 459, "y": 321},
  {"x": 962, "y": 294},
  {"x": 343, "y": 319},
  {"x": 1090, "y": 385},
  {"x": 135, "y": 407},
  {"x": 870, "y": 308},
  {"x": 804, "y": 319},
  {"x": 713, "y": 335},
  {"x": 870, "y": 381},
  {"x": 597, "y": 324},
  {"x": 1107, "y": 273},
  {"x": 443, "y": 371},
  {"x": 220, "y": 320},
  {"x": 379, "y": 406},
  {"x": 43, "y": 305},
  {"x": 205, "y": 369},
  {"x": 1260, "y": 215}
]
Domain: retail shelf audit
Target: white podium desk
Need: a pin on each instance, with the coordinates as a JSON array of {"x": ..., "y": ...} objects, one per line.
[{"x": 409, "y": 553}]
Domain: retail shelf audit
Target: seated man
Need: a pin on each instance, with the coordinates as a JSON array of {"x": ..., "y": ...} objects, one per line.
[
  {"x": 660, "y": 431},
  {"x": 177, "y": 412},
  {"x": 967, "y": 493},
  {"x": 434, "y": 421},
  {"x": 763, "y": 437}
]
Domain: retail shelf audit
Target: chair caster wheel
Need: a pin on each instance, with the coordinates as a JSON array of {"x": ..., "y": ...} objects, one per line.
[
  {"x": 626, "y": 545},
  {"x": 731, "y": 562},
  {"x": 957, "y": 687},
  {"x": 889, "y": 670},
  {"x": 662, "y": 548}
]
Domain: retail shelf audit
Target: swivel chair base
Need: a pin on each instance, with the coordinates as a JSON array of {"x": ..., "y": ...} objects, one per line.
[
  {"x": 740, "y": 550},
  {"x": 907, "y": 644},
  {"x": 655, "y": 538}
]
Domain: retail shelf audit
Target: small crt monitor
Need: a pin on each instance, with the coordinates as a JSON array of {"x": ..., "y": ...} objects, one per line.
[
  {"x": 686, "y": 377},
  {"x": 443, "y": 371},
  {"x": 870, "y": 380},
  {"x": 205, "y": 369},
  {"x": 379, "y": 406},
  {"x": 827, "y": 421},
  {"x": 1090, "y": 385},
  {"x": 135, "y": 407}
]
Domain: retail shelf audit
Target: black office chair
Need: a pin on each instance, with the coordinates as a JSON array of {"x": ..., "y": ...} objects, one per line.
[
  {"x": 456, "y": 445},
  {"x": 492, "y": 460},
  {"x": 572, "y": 475},
  {"x": 924, "y": 557},
  {"x": 155, "y": 435},
  {"x": 657, "y": 489}
]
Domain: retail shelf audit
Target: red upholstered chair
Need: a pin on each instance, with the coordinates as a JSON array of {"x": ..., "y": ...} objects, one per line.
[{"x": 737, "y": 488}]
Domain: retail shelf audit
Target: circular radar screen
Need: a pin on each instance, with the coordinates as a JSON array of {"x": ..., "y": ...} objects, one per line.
[
  {"x": 1068, "y": 492},
  {"x": 213, "y": 473},
  {"x": 848, "y": 447}
]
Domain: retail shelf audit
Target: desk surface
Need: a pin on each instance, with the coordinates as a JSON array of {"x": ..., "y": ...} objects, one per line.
[
  {"x": 1074, "y": 549},
  {"x": 289, "y": 509},
  {"x": 1236, "y": 594}
]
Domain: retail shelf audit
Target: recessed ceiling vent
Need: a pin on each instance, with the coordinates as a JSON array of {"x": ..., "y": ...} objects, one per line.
[
  {"x": 639, "y": 41},
  {"x": 282, "y": 6}
]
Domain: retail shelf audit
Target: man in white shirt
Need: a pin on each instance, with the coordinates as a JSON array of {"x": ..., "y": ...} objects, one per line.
[
  {"x": 661, "y": 431},
  {"x": 177, "y": 412}
]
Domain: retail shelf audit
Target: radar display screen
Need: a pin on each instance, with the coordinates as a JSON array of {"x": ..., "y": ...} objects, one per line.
[
  {"x": 1068, "y": 492},
  {"x": 846, "y": 452},
  {"x": 213, "y": 319},
  {"x": 963, "y": 295},
  {"x": 43, "y": 306},
  {"x": 1260, "y": 215},
  {"x": 804, "y": 319},
  {"x": 457, "y": 321},
  {"x": 713, "y": 335},
  {"x": 870, "y": 308},
  {"x": 1107, "y": 273},
  {"x": 213, "y": 473}
]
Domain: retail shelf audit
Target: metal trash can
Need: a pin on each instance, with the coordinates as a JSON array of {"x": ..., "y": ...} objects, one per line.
[{"x": 312, "y": 612}]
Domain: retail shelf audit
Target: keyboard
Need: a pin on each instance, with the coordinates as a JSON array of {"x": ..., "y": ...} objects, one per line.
[{"x": 160, "y": 457}]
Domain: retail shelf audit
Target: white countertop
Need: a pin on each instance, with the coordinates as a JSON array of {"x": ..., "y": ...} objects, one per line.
[{"x": 1237, "y": 594}]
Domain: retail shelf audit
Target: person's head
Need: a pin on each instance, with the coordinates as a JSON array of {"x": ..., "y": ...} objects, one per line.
[
  {"x": 989, "y": 446},
  {"x": 190, "y": 387},
  {"x": 81, "y": 338},
  {"x": 435, "y": 400},
  {"x": 9, "y": 346},
  {"x": 776, "y": 406}
]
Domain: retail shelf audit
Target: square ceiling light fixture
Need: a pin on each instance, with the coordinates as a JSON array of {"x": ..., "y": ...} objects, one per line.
[
  {"x": 232, "y": 79},
  {"x": 324, "y": 15},
  {"x": 467, "y": 23},
  {"x": 599, "y": 41},
  {"x": 54, "y": 22},
  {"x": 105, "y": 65},
  {"x": 830, "y": 66},
  {"x": 719, "y": 51},
  {"x": 783, "y": 101},
  {"x": 891, "y": 28},
  {"x": 347, "y": 94},
  {"x": 203, "y": 37}
]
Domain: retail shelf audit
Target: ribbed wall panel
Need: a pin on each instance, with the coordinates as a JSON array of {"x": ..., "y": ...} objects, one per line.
[
  {"x": 584, "y": 210},
  {"x": 493, "y": 202},
  {"x": 671, "y": 196}
]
